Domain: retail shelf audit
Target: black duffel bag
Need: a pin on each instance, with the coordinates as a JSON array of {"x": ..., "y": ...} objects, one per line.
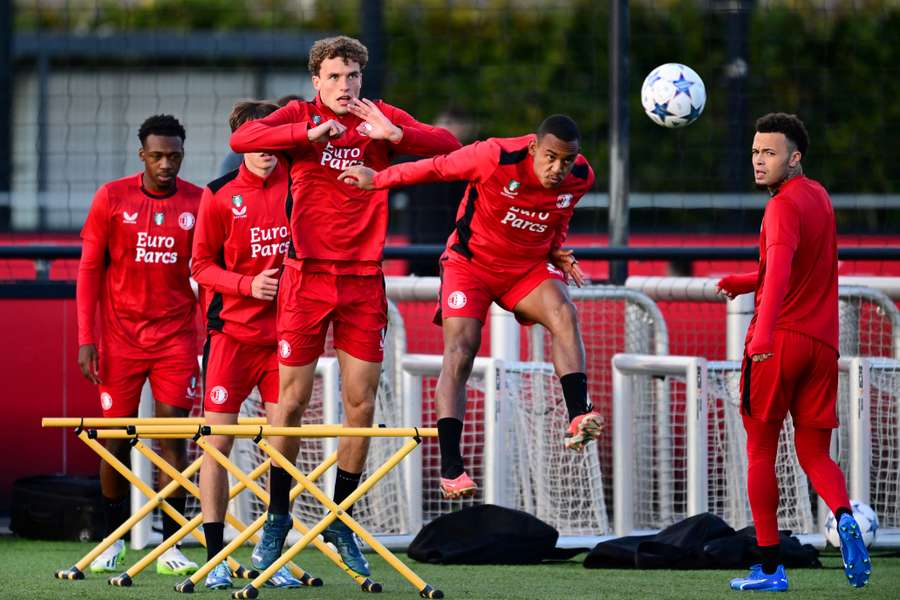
[{"x": 57, "y": 507}]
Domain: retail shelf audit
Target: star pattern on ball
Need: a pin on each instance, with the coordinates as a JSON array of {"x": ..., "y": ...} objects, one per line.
[
  {"x": 661, "y": 110},
  {"x": 682, "y": 85},
  {"x": 695, "y": 114}
]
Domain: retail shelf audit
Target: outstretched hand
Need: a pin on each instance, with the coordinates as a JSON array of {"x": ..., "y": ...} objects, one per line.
[
  {"x": 359, "y": 176},
  {"x": 564, "y": 260},
  {"x": 375, "y": 125}
]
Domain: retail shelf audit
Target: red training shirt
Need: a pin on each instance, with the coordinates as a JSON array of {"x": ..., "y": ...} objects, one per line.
[
  {"x": 507, "y": 219},
  {"x": 136, "y": 249},
  {"x": 797, "y": 285},
  {"x": 242, "y": 230},
  {"x": 335, "y": 227}
]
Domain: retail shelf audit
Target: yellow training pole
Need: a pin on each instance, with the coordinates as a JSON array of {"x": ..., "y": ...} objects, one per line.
[
  {"x": 118, "y": 422},
  {"x": 307, "y": 431},
  {"x": 187, "y": 586},
  {"x": 125, "y": 579},
  {"x": 77, "y": 571}
]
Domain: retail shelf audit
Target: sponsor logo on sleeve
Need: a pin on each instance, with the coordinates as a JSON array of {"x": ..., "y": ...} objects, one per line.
[
  {"x": 186, "y": 221},
  {"x": 106, "y": 401},
  {"x": 284, "y": 349}
]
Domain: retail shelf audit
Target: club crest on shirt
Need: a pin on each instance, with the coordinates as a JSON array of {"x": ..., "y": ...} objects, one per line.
[
  {"x": 238, "y": 209},
  {"x": 511, "y": 189},
  {"x": 159, "y": 218},
  {"x": 316, "y": 119},
  {"x": 237, "y": 200},
  {"x": 186, "y": 221},
  {"x": 218, "y": 395},
  {"x": 563, "y": 200},
  {"x": 130, "y": 218}
]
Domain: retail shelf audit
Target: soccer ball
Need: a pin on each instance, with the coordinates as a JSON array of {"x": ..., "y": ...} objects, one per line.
[
  {"x": 865, "y": 517},
  {"x": 673, "y": 95}
]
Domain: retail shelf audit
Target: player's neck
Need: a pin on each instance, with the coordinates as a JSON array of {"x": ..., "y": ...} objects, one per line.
[
  {"x": 150, "y": 187},
  {"x": 792, "y": 172}
]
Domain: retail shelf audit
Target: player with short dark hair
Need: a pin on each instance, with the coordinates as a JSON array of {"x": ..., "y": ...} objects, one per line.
[
  {"x": 506, "y": 248},
  {"x": 239, "y": 248},
  {"x": 791, "y": 352},
  {"x": 135, "y": 263},
  {"x": 333, "y": 270}
]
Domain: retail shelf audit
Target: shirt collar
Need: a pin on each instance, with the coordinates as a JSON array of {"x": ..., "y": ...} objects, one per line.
[{"x": 247, "y": 177}]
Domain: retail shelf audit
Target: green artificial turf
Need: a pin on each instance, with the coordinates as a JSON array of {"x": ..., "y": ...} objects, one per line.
[{"x": 27, "y": 568}]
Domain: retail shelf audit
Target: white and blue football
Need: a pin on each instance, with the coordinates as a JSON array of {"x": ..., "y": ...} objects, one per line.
[{"x": 673, "y": 95}]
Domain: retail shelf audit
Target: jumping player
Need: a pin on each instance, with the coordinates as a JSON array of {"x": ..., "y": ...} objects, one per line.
[
  {"x": 333, "y": 269},
  {"x": 506, "y": 248},
  {"x": 790, "y": 358},
  {"x": 242, "y": 238},
  {"x": 136, "y": 251}
]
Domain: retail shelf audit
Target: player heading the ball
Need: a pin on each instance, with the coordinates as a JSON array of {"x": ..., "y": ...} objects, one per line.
[{"x": 506, "y": 248}]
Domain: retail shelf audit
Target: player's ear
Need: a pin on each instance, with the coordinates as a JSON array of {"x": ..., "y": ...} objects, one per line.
[
  {"x": 532, "y": 147},
  {"x": 795, "y": 158},
  {"x": 316, "y": 81},
  {"x": 141, "y": 154}
]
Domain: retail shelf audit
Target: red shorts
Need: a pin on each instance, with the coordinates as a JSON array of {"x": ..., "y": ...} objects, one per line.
[
  {"x": 467, "y": 290},
  {"x": 801, "y": 378},
  {"x": 174, "y": 376},
  {"x": 231, "y": 371},
  {"x": 308, "y": 302}
]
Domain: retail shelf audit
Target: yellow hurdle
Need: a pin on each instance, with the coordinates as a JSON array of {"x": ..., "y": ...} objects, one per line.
[{"x": 257, "y": 429}]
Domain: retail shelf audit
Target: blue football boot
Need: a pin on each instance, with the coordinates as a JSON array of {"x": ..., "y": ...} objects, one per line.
[
  {"x": 757, "y": 581},
  {"x": 342, "y": 538},
  {"x": 857, "y": 565},
  {"x": 269, "y": 547}
]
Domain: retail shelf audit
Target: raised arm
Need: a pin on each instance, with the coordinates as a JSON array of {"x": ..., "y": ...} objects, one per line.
[
  {"x": 474, "y": 162},
  {"x": 284, "y": 129}
]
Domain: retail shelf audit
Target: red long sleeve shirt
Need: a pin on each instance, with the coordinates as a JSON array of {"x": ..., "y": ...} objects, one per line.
[
  {"x": 136, "y": 249},
  {"x": 336, "y": 227},
  {"x": 797, "y": 286},
  {"x": 242, "y": 230},
  {"x": 507, "y": 219}
]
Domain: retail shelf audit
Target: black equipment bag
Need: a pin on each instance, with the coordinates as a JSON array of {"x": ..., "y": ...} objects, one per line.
[
  {"x": 56, "y": 507},
  {"x": 488, "y": 535}
]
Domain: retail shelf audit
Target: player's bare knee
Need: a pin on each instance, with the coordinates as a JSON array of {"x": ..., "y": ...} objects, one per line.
[
  {"x": 359, "y": 406},
  {"x": 562, "y": 318},
  {"x": 222, "y": 443},
  {"x": 459, "y": 358}
]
